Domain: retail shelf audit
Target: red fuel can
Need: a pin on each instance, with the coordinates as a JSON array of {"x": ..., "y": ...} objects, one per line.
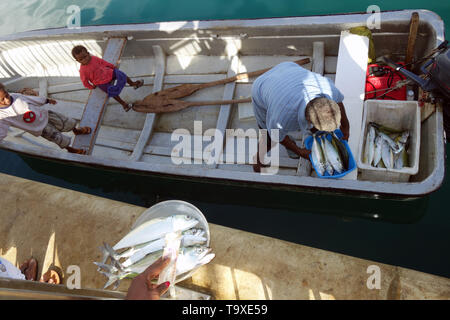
[{"x": 380, "y": 79}]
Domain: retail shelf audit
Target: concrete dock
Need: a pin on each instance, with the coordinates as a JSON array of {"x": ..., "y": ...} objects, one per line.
[{"x": 60, "y": 228}]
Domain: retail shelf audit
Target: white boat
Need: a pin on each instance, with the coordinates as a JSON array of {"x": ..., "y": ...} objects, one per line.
[{"x": 171, "y": 53}]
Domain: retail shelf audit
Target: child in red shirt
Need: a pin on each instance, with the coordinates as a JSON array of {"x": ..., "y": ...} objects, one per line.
[{"x": 96, "y": 72}]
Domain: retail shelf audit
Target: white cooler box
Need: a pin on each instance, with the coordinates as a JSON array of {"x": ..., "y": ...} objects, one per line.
[{"x": 399, "y": 115}]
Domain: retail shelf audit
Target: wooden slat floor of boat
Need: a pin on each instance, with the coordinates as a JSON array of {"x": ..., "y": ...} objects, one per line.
[
  {"x": 161, "y": 145},
  {"x": 118, "y": 143},
  {"x": 223, "y": 119},
  {"x": 94, "y": 109},
  {"x": 119, "y": 132}
]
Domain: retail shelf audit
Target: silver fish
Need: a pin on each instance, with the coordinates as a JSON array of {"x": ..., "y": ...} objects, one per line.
[
  {"x": 194, "y": 232},
  {"x": 385, "y": 129},
  {"x": 391, "y": 142},
  {"x": 104, "y": 257},
  {"x": 317, "y": 156},
  {"x": 328, "y": 165},
  {"x": 151, "y": 230},
  {"x": 387, "y": 155},
  {"x": 193, "y": 257},
  {"x": 107, "y": 250},
  {"x": 340, "y": 147},
  {"x": 115, "y": 278},
  {"x": 404, "y": 137},
  {"x": 109, "y": 268},
  {"x": 377, "y": 150},
  {"x": 188, "y": 259},
  {"x": 398, "y": 161},
  {"x": 370, "y": 146},
  {"x": 186, "y": 241},
  {"x": 121, "y": 272},
  {"x": 402, "y": 141},
  {"x": 189, "y": 241},
  {"x": 332, "y": 155}
]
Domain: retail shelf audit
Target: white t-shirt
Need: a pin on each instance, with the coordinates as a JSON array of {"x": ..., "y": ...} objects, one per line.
[{"x": 24, "y": 113}]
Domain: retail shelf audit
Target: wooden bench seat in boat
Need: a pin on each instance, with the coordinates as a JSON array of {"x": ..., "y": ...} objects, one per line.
[{"x": 95, "y": 106}]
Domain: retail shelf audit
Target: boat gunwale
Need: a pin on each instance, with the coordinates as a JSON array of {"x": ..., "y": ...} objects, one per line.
[
  {"x": 428, "y": 16},
  {"x": 426, "y": 186}
]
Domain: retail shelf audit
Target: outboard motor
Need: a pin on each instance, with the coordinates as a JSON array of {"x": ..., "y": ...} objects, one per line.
[
  {"x": 440, "y": 73},
  {"x": 436, "y": 80}
]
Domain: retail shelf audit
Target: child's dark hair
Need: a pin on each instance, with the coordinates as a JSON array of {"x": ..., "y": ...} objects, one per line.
[
  {"x": 2, "y": 87},
  {"x": 77, "y": 50}
]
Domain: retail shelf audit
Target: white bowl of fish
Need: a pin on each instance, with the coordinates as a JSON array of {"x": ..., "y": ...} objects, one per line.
[{"x": 145, "y": 243}]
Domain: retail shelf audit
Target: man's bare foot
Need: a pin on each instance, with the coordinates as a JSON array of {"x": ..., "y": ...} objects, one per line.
[
  {"x": 258, "y": 165},
  {"x": 29, "y": 268},
  {"x": 51, "y": 276},
  {"x": 83, "y": 130},
  {"x": 74, "y": 150}
]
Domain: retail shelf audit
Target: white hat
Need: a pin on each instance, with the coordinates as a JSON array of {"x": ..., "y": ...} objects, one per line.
[{"x": 324, "y": 114}]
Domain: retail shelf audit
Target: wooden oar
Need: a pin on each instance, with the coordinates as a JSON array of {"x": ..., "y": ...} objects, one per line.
[
  {"x": 165, "y": 100},
  {"x": 187, "y": 89},
  {"x": 413, "y": 27},
  {"x": 163, "y": 105}
]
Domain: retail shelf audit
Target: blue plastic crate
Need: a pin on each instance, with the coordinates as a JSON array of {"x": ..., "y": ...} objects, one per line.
[{"x": 351, "y": 159}]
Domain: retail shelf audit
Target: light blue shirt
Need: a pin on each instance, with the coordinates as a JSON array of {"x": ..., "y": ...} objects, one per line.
[{"x": 281, "y": 94}]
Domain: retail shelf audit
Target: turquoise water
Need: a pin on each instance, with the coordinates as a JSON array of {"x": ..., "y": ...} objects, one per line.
[
  {"x": 421, "y": 243},
  {"x": 39, "y": 14}
]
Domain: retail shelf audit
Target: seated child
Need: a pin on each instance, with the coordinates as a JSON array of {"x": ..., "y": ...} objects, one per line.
[
  {"x": 24, "y": 112},
  {"x": 96, "y": 72}
]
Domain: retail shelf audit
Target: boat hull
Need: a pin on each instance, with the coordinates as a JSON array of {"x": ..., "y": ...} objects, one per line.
[
  {"x": 294, "y": 36},
  {"x": 147, "y": 188}
]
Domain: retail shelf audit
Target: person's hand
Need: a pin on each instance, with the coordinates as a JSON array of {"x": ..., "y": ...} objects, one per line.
[
  {"x": 142, "y": 289},
  {"x": 304, "y": 153},
  {"x": 51, "y": 101},
  {"x": 257, "y": 165}
]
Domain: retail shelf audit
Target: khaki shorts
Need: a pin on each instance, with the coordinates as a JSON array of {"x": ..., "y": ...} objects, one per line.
[{"x": 58, "y": 123}]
